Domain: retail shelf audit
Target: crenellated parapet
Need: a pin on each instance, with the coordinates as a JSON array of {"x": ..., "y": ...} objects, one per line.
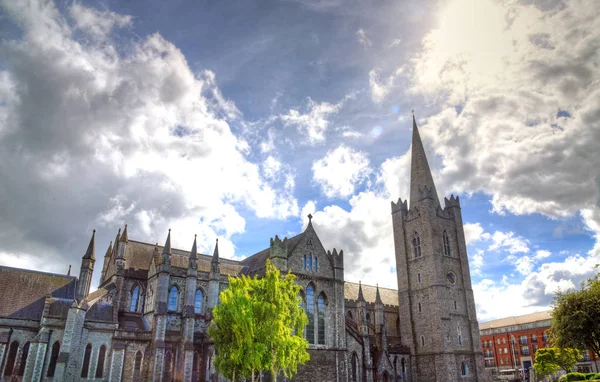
[
  {"x": 452, "y": 202},
  {"x": 400, "y": 206},
  {"x": 278, "y": 248}
]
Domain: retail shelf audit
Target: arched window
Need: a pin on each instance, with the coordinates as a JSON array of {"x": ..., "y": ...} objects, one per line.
[
  {"x": 138, "y": 362},
  {"x": 12, "y": 357},
  {"x": 385, "y": 376},
  {"x": 446, "y": 243},
  {"x": 173, "y": 297},
  {"x": 316, "y": 263},
  {"x": 198, "y": 301},
  {"x": 403, "y": 365},
  {"x": 135, "y": 298},
  {"x": 310, "y": 263},
  {"x": 464, "y": 369},
  {"x": 395, "y": 365},
  {"x": 416, "y": 245},
  {"x": 86, "y": 361},
  {"x": 100, "y": 365},
  {"x": 310, "y": 312},
  {"x": 53, "y": 359},
  {"x": 354, "y": 368},
  {"x": 321, "y": 320},
  {"x": 24, "y": 355},
  {"x": 368, "y": 317}
]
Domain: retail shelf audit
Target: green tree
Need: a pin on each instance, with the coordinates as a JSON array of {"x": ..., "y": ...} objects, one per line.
[
  {"x": 545, "y": 362},
  {"x": 258, "y": 326},
  {"x": 576, "y": 317}
]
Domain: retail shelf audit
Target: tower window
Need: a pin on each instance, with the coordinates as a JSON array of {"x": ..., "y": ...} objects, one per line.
[
  {"x": 100, "y": 365},
  {"x": 416, "y": 245},
  {"x": 455, "y": 307},
  {"x": 198, "y": 302},
  {"x": 422, "y": 340},
  {"x": 420, "y": 308},
  {"x": 304, "y": 262},
  {"x": 459, "y": 335},
  {"x": 173, "y": 297},
  {"x": 464, "y": 369},
  {"x": 446, "y": 243},
  {"x": 135, "y": 298},
  {"x": 86, "y": 361},
  {"x": 419, "y": 278}
]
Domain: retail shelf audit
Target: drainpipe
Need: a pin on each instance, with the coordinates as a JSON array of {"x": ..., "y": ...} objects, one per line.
[{"x": 46, "y": 355}]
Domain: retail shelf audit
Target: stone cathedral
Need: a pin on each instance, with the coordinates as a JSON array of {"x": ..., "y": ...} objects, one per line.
[{"x": 148, "y": 319}]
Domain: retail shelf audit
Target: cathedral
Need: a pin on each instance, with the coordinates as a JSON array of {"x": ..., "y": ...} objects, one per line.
[{"x": 148, "y": 319}]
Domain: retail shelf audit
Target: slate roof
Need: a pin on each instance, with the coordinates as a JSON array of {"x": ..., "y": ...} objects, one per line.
[
  {"x": 388, "y": 296},
  {"x": 100, "y": 312},
  {"x": 516, "y": 320},
  {"x": 24, "y": 292},
  {"x": 256, "y": 262},
  {"x": 139, "y": 256}
]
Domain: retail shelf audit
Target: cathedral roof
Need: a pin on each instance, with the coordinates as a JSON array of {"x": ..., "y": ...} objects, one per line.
[
  {"x": 388, "y": 296},
  {"x": 24, "y": 292},
  {"x": 256, "y": 262}
]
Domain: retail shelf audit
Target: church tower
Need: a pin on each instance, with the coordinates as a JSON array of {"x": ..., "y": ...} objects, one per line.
[{"x": 436, "y": 305}]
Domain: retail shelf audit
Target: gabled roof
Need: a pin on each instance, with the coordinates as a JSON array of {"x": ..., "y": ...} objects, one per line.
[
  {"x": 257, "y": 262},
  {"x": 24, "y": 292},
  {"x": 388, "y": 296}
]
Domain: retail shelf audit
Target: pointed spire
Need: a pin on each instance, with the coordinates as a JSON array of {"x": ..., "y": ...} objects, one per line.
[
  {"x": 89, "y": 254},
  {"x": 215, "y": 258},
  {"x": 360, "y": 292},
  {"x": 167, "y": 248},
  {"x": 194, "y": 253},
  {"x": 377, "y": 296},
  {"x": 125, "y": 236},
  {"x": 69, "y": 271},
  {"x": 117, "y": 238},
  {"x": 109, "y": 250},
  {"x": 420, "y": 174}
]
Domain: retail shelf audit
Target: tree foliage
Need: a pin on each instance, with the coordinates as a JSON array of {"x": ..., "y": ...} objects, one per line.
[
  {"x": 259, "y": 326},
  {"x": 576, "y": 317},
  {"x": 550, "y": 360}
]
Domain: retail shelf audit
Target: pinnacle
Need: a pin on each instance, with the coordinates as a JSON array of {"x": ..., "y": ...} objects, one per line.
[{"x": 421, "y": 181}]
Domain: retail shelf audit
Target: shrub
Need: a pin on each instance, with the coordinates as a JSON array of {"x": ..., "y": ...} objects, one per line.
[{"x": 576, "y": 377}]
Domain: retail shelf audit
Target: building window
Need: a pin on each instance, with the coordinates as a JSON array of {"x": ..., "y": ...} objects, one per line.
[
  {"x": 455, "y": 307},
  {"x": 464, "y": 369},
  {"x": 523, "y": 340},
  {"x": 535, "y": 348},
  {"x": 446, "y": 243},
  {"x": 86, "y": 361},
  {"x": 53, "y": 359},
  {"x": 459, "y": 335},
  {"x": 173, "y": 297},
  {"x": 138, "y": 362},
  {"x": 420, "y": 308},
  {"x": 24, "y": 355},
  {"x": 316, "y": 263},
  {"x": 304, "y": 262},
  {"x": 135, "y": 298},
  {"x": 310, "y": 312},
  {"x": 416, "y": 245},
  {"x": 310, "y": 263},
  {"x": 501, "y": 361},
  {"x": 419, "y": 278},
  {"x": 100, "y": 366},
  {"x": 422, "y": 340},
  {"x": 321, "y": 319},
  {"x": 505, "y": 350},
  {"x": 504, "y": 340},
  {"x": 524, "y": 350},
  {"x": 545, "y": 337},
  {"x": 354, "y": 368},
  {"x": 198, "y": 301},
  {"x": 12, "y": 357},
  {"x": 498, "y": 340}
]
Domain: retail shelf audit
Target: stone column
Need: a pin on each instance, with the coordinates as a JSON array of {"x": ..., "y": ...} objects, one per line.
[
  {"x": 117, "y": 362},
  {"x": 67, "y": 365}
]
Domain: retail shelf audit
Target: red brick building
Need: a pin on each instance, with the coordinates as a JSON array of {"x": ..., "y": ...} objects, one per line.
[{"x": 511, "y": 343}]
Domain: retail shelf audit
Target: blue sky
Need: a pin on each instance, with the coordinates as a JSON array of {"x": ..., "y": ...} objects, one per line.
[{"x": 236, "y": 119}]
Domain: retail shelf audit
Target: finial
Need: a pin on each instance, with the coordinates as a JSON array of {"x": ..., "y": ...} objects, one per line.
[
  {"x": 309, "y": 217},
  {"x": 413, "y": 112}
]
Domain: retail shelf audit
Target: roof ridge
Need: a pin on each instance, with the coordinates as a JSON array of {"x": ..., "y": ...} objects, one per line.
[{"x": 39, "y": 272}]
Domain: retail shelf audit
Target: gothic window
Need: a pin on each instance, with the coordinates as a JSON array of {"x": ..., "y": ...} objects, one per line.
[
  {"x": 310, "y": 312},
  {"x": 137, "y": 369},
  {"x": 24, "y": 355},
  {"x": 354, "y": 368},
  {"x": 416, "y": 245},
  {"x": 100, "y": 366},
  {"x": 12, "y": 357},
  {"x": 310, "y": 262},
  {"x": 316, "y": 263},
  {"x": 395, "y": 365},
  {"x": 464, "y": 369},
  {"x": 173, "y": 297},
  {"x": 321, "y": 319},
  {"x": 135, "y": 298},
  {"x": 86, "y": 361},
  {"x": 198, "y": 301},
  {"x": 446, "y": 243},
  {"x": 53, "y": 359},
  {"x": 304, "y": 262}
]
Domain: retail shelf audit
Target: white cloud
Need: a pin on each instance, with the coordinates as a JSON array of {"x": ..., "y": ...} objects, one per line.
[
  {"x": 474, "y": 232},
  {"x": 362, "y": 38},
  {"x": 542, "y": 254},
  {"x": 476, "y": 262},
  {"x": 340, "y": 171},
  {"x": 509, "y": 242},
  {"x": 93, "y": 133},
  {"x": 524, "y": 265}
]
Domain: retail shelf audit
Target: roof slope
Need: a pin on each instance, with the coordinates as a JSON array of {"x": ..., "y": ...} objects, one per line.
[
  {"x": 388, "y": 296},
  {"x": 24, "y": 291},
  {"x": 516, "y": 320}
]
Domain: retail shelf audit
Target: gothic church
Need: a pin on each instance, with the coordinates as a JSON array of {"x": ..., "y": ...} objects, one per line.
[{"x": 148, "y": 319}]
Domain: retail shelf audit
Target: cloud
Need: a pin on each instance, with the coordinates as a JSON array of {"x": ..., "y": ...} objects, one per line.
[
  {"x": 542, "y": 254},
  {"x": 362, "y": 38},
  {"x": 509, "y": 242},
  {"x": 94, "y": 136},
  {"x": 340, "y": 171},
  {"x": 474, "y": 232}
]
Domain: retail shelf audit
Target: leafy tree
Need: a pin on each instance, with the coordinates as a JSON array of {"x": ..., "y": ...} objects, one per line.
[
  {"x": 259, "y": 326},
  {"x": 576, "y": 317},
  {"x": 545, "y": 362}
]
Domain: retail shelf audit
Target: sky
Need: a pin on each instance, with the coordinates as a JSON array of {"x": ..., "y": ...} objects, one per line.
[{"x": 236, "y": 119}]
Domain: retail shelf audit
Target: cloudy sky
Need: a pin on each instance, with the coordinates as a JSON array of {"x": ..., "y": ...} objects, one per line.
[{"x": 235, "y": 119}]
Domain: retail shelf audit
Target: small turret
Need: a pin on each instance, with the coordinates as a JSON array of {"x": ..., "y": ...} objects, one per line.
[
  {"x": 214, "y": 264},
  {"x": 106, "y": 262},
  {"x": 193, "y": 264},
  {"x": 125, "y": 236},
  {"x": 215, "y": 277},
  {"x": 86, "y": 270},
  {"x": 167, "y": 250}
]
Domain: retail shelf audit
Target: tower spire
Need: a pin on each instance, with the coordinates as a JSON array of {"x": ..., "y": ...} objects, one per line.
[
  {"x": 125, "y": 235},
  {"x": 421, "y": 181},
  {"x": 360, "y": 292},
  {"x": 167, "y": 248},
  {"x": 89, "y": 254},
  {"x": 194, "y": 253},
  {"x": 377, "y": 295}
]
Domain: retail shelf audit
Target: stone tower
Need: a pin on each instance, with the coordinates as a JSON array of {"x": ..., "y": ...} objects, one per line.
[
  {"x": 86, "y": 270},
  {"x": 436, "y": 305}
]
